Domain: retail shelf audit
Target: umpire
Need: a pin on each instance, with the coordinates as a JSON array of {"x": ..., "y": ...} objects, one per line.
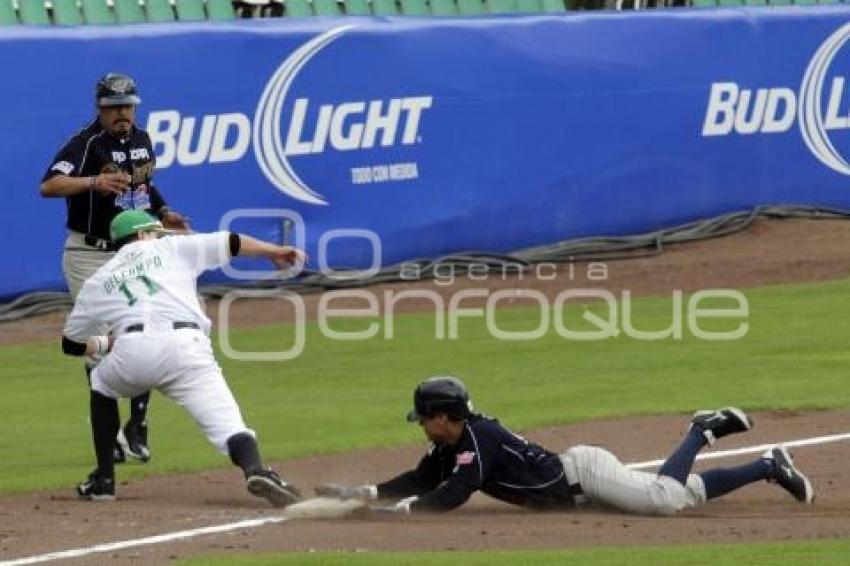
[{"x": 106, "y": 168}]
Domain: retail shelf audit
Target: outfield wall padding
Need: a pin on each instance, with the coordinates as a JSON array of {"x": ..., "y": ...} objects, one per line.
[{"x": 441, "y": 134}]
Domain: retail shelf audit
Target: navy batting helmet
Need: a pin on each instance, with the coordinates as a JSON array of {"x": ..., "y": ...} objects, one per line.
[
  {"x": 117, "y": 89},
  {"x": 440, "y": 395}
]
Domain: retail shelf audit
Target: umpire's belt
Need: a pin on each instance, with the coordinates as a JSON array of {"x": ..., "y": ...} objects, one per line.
[
  {"x": 175, "y": 325},
  {"x": 99, "y": 243}
]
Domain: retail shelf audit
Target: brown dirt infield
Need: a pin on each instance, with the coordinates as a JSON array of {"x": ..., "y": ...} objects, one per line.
[
  {"x": 769, "y": 252},
  {"x": 48, "y": 521}
]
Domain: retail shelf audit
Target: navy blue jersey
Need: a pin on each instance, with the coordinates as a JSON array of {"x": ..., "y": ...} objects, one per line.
[
  {"x": 489, "y": 458},
  {"x": 93, "y": 151}
]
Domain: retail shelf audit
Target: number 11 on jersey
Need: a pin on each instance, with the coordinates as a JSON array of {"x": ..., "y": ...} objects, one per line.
[{"x": 150, "y": 286}]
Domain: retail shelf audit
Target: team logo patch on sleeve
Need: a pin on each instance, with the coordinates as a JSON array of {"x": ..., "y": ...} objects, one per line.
[
  {"x": 465, "y": 458},
  {"x": 63, "y": 167}
]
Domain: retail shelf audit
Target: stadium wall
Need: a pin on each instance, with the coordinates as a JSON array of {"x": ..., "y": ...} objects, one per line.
[{"x": 441, "y": 134}]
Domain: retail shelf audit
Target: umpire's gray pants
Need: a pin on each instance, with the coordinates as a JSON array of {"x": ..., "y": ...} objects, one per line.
[
  {"x": 80, "y": 261},
  {"x": 604, "y": 479}
]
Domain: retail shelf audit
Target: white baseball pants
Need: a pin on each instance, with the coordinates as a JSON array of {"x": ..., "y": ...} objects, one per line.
[
  {"x": 605, "y": 480},
  {"x": 179, "y": 364}
]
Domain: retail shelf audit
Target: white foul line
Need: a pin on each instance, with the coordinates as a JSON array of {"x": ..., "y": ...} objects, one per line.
[
  {"x": 157, "y": 539},
  {"x": 250, "y": 523},
  {"x": 749, "y": 450}
]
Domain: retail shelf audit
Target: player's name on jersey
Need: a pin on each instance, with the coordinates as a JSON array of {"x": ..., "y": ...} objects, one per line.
[{"x": 126, "y": 272}]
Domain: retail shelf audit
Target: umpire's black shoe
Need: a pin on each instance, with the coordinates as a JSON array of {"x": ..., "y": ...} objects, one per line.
[
  {"x": 97, "y": 488},
  {"x": 135, "y": 441},
  {"x": 722, "y": 422},
  {"x": 786, "y": 474},
  {"x": 118, "y": 456},
  {"x": 266, "y": 483}
]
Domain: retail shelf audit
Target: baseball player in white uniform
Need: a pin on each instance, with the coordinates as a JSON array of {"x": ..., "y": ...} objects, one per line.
[{"x": 158, "y": 339}]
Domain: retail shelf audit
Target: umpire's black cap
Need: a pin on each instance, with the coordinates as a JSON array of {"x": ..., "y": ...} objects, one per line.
[
  {"x": 440, "y": 395},
  {"x": 117, "y": 89}
]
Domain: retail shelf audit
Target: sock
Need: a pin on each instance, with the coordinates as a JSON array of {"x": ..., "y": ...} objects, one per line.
[
  {"x": 104, "y": 425},
  {"x": 139, "y": 408},
  {"x": 723, "y": 480},
  {"x": 244, "y": 452},
  {"x": 680, "y": 462}
]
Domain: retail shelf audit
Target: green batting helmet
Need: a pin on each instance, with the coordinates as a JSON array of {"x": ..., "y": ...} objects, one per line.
[{"x": 131, "y": 221}]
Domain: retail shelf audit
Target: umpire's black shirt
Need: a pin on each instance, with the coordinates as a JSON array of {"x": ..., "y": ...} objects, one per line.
[
  {"x": 93, "y": 151},
  {"x": 490, "y": 458}
]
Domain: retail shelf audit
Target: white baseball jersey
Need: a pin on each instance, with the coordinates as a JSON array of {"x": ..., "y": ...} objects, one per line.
[
  {"x": 150, "y": 282},
  {"x": 154, "y": 283}
]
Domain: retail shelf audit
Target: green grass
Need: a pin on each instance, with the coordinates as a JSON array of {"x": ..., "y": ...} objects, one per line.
[
  {"x": 809, "y": 552},
  {"x": 342, "y": 395}
]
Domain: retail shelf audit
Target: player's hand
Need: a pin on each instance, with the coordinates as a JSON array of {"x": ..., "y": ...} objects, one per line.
[
  {"x": 400, "y": 508},
  {"x": 93, "y": 359},
  {"x": 112, "y": 183},
  {"x": 173, "y": 220},
  {"x": 286, "y": 256},
  {"x": 364, "y": 492}
]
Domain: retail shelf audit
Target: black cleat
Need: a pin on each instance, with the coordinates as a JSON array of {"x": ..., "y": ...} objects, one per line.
[
  {"x": 267, "y": 484},
  {"x": 118, "y": 456},
  {"x": 722, "y": 422},
  {"x": 133, "y": 439},
  {"x": 97, "y": 488},
  {"x": 788, "y": 476}
]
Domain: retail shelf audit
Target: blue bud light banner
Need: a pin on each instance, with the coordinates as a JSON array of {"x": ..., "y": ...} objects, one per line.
[{"x": 399, "y": 138}]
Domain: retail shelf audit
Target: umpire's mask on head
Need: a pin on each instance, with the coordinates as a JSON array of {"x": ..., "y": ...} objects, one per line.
[
  {"x": 116, "y": 89},
  {"x": 440, "y": 395}
]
